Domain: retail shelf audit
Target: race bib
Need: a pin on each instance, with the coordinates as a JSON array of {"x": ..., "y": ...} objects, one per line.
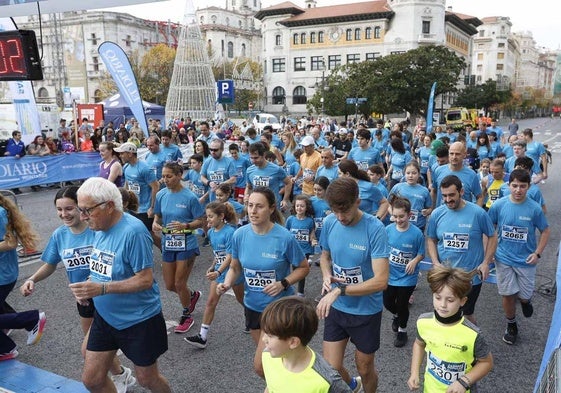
[
  {"x": 414, "y": 216},
  {"x": 217, "y": 176},
  {"x": 219, "y": 258},
  {"x": 401, "y": 258},
  {"x": 351, "y": 275},
  {"x": 318, "y": 223},
  {"x": 494, "y": 195},
  {"x": 362, "y": 165},
  {"x": 514, "y": 233},
  {"x": 256, "y": 280},
  {"x": 134, "y": 187},
  {"x": 397, "y": 174},
  {"x": 445, "y": 372},
  {"x": 101, "y": 265},
  {"x": 308, "y": 174},
  {"x": 301, "y": 235},
  {"x": 458, "y": 242},
  {"x": 174, "y": 242},
  {"x": 424, "y": 163},
  {"x": 261, "y": 181},
  {"x": 76, "y": 258}
]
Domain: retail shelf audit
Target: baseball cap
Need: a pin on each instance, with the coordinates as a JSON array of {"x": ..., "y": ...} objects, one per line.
[
  {"x": 342, "y": 131},
  {"x": 127, "y": 147},
  {"x": 307, "y": 141},
  {"x": 435, "y": 145}
]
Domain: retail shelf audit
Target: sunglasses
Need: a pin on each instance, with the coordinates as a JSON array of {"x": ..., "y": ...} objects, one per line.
[{"x": 214, "y": 150}]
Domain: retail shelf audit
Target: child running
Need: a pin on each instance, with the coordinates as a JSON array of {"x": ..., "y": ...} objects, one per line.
[
  {"x": 457, "y": 354},
  {"x": 290, "y": 365},
  {"x": 301, "y": 225},
  {"x": 418, "y": 195},
  {"x": 407, "y": 249},
  {"x": 222, "y": 221}
]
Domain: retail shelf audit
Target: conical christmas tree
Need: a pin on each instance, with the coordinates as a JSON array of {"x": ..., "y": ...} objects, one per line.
[{"x": 192, "y": 92}]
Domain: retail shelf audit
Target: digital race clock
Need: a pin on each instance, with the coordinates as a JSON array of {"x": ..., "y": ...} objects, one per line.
[{"x": 19, "y": 56}]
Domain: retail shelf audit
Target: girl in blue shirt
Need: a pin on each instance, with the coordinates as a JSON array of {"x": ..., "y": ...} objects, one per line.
[
  {"x": 222, "y": 221},
  {"x": 399, "y": 156},
  {"x": 407, "y": 249},
  {"x": 177, "y": 212},
  {"x": 301, "y": 225},
  {"x": 418, "y": 195},
  {"x": 320, "y": 205},
  {"x": 71, "y": 244}
]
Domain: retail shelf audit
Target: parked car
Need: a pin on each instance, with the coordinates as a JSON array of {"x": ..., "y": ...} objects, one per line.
[{"x": 265, "y": 119}]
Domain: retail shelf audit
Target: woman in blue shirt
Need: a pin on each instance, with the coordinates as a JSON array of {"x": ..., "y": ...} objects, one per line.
[{"x": 270, "y": 260}]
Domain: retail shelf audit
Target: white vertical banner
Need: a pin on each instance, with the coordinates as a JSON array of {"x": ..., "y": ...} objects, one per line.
[
  {"x": 26, "y": 110},
  {"x": 25, "y": 106}
]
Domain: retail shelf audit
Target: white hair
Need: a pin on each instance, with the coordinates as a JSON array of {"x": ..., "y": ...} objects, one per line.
[{"x": 102, "y": 190}]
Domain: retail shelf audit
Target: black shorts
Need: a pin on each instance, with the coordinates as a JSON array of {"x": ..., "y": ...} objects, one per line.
[
  {"x": 363, "y": 330},
  {"x": 145, "y": 220},
  {"x": 252, "y": 319},
  {"x": 86, "y": 311},
  {"x": 142, "y": 343},
  {"x": 469, "y": 307}
]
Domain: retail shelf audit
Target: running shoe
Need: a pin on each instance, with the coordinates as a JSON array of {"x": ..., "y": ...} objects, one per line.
[
  {"x": 395, "y": 325},
  {"x": 9, "y": 355},
  {"x": 511, "y": 333},
  {"x": 400, "y": 339},
  {"x": 358, "y": 384},
  {"x": 206, "y": 242},
  {"x": 196, "y": 341},
  {"x": 35, "y": 334},
  {"x": 123, "y": 380},
  {"x": 195, "y": 296},
  {"x": 527, "y": 309},
  {"x": 246, "y": 330},
  {"x": 185, "y": 323}
]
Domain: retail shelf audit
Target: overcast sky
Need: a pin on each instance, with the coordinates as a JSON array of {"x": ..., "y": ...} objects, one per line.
[{"x": 538, "y": 16}]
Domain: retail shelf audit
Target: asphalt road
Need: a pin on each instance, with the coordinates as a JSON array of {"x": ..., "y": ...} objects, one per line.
[{"x": 226, "y": 363}]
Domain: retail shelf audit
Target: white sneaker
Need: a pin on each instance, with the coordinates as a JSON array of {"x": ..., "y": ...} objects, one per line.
[
  {"x": 123, "y": 380},
  {"x": 358, "y": 385}
]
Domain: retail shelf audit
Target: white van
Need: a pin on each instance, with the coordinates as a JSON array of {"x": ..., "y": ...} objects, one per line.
[{"x": 265, "y": 119}]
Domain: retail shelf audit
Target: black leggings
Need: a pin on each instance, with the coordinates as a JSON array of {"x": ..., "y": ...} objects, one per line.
[{"x": 396, "y": 301}]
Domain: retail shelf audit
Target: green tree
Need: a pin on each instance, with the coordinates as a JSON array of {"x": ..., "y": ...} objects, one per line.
[
  {"x": 394, "y": 83},
  {"x": 484, "y": 96}
]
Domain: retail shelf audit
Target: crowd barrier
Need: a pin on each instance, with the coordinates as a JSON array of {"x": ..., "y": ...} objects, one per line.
[{"x": 34, "y": 171}]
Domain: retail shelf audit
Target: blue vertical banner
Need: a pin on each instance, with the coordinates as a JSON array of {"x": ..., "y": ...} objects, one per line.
[
  {"x": 430, "y": 108},
  {"x": 225, "y": 91},
  {"x": 119, "y": 66}
]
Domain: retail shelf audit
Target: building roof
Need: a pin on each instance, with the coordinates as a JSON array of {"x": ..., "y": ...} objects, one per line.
[
  {"x": 284, "y": 8},
  {"x": 466, "y": 23},
  {"x": 341, "y": 13}
]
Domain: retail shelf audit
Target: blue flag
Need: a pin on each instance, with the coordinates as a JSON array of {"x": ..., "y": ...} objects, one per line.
[
  {"x": 430, "y": 108},
  {"x": 119, "y": 67}
]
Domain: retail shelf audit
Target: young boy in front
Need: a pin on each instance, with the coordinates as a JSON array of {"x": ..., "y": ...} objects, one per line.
[
  {"x": 290, "y": 365},
  {"x": 457, "y": 354}
]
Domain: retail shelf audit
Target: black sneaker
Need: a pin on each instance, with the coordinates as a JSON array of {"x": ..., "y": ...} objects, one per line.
[
  {"x": 527, "y": 309},
  {"x": 400, "y": 339},
  {"x": 196, "y": 341},
  {"x": 511, "y": 333},
  {"x": 395, "y": 325},
  {"x": 206, "y": 242}
]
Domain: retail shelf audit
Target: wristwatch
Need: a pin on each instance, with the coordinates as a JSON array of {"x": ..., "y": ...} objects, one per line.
[
  {"x": 285, "y": 284},
  {"x": 343, "y": 288}
]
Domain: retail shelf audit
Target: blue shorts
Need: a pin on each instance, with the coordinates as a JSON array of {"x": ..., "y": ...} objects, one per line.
[
  {"x": 363, "y": 330},
  {"x": 174, "y": 256},
  {"x": 142, "y": 343}
]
